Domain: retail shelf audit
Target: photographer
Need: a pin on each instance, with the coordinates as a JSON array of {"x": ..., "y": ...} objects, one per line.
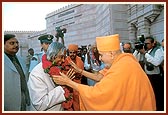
[
  {"x": 153, "y": 56},
  {"x": 138, "y": 46}
]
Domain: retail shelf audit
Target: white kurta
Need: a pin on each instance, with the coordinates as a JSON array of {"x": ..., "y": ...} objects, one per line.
[{"x": 44, "y": 95}]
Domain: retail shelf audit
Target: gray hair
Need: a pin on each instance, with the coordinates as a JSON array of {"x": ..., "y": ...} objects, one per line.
[{"x": 53, "y": 49}]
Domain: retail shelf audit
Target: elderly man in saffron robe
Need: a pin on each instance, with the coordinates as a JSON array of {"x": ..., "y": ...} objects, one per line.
[{"x": 122, "y": 86}]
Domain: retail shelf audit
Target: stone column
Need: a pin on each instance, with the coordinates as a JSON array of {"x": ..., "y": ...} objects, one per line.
[
  {"x": 143, "y": 27},
  {"x": 132, "y": 31}
]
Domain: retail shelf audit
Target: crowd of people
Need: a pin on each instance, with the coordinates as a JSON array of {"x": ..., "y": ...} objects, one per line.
[{"x": 104, "y": 76}]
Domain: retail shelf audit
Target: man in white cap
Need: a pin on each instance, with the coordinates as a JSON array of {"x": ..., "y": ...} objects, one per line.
[{"x": 120, "y": 89}]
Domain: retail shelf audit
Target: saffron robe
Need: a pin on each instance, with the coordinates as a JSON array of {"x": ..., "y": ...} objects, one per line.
[
  {"x": 124, "y": 87},
  {"x": 77, "y": 79}
]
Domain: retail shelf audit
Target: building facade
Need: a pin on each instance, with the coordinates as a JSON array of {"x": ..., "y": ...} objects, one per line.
[{"x": 84, "y": 22}]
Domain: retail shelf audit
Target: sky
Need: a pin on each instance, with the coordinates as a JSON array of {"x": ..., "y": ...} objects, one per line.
[{"x": 30, "y": 16}]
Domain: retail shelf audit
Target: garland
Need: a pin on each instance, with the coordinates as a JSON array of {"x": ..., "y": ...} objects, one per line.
[{"x": 52, "y": 69}]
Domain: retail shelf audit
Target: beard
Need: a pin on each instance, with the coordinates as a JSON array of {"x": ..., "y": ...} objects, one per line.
[{"x": 72, "y": 57}]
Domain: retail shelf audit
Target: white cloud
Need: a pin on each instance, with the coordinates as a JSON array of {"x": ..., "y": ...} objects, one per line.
[{"x": 27, "y": 16}]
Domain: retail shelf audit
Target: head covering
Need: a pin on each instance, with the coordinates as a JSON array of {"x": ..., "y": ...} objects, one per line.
[
  {"x": 73, "y": 47},
  {"x": 108, "y": 43},
  {"x": 46, "y": 38}
]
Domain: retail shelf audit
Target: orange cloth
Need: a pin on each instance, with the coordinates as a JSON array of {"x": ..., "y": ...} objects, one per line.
[
  {"x": 80, "y": 64},
  {"x": 108, "y": 43},
  {"x": 103, "y": 71},
  {"x": 73, "y": 47},
  {"x": 121, "y": 89}
]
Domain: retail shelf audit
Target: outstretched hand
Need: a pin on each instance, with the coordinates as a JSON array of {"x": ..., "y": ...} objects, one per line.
[
  {"x": 76, "y": 68},
  {"x": 70, "y": 74},
  {"x": 63, "y": 79}
]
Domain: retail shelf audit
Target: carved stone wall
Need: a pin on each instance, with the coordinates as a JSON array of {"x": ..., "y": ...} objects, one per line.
[
  {"x": 86, "y": 21},
  {"x": 147, "y": 20}
]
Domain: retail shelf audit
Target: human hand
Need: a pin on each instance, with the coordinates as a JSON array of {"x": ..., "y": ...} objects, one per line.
[
  {"x": 70, "y": 74},
  {"x": 63, "y": 79},
  {"x": 142, "y": 51},
  {"x": 76, "y": 68}
]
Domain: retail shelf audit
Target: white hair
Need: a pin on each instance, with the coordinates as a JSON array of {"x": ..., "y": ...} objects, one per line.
[{"x": 53, "y": 49}]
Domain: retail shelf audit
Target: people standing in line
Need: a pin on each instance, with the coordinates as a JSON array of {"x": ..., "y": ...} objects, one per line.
[
  {"x": 45, "y": 95},
  {"x": 45, "y": 41},
  {"x": 119, "y": 88},
  {"x": 153, "y": 57},
  {"x": 72, "y": 50},
  {"x": 16, "y": 95}
]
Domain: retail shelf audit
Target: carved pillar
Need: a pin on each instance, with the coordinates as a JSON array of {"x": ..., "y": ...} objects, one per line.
[
  {"x": 132, "y": 31},
  {"x": 143, "y": 27}
]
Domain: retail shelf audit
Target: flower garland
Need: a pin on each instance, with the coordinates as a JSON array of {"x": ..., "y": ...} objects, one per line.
[{"x": 52, "y": 69}]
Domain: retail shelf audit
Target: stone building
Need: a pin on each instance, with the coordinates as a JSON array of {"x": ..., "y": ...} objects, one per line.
[
  {"x": 24, "y": 43},
  {"x": 86, "y": 21},
  {"x": 146, "y": 19}
]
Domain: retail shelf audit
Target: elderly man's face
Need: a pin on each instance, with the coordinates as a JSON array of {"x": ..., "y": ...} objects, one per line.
[
  {"x": 106, "y": 58},
  {"x": 60, "y": 58},
  {"x": 11, "y": 46}
]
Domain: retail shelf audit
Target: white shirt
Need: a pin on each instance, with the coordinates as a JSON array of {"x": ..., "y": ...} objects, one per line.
[
  {"x": 156, "y": 61},
  {"x": 44, "y": 94},
  {"x": 138, "y": 55}
]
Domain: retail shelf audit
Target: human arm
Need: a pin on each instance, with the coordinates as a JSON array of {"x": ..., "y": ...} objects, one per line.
[
  {"x": 157, "y": 59},
  {"x": 65, "y": 80},
  {"x": 95, "y": 76}
]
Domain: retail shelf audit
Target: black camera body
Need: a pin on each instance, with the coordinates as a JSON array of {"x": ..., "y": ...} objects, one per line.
[
  {"x": 149, "y": 66},
  {"x": 140, "y": 43}
]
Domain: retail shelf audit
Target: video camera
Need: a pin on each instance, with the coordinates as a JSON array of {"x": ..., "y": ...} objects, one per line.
[{"x": 140, "y": 43}]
